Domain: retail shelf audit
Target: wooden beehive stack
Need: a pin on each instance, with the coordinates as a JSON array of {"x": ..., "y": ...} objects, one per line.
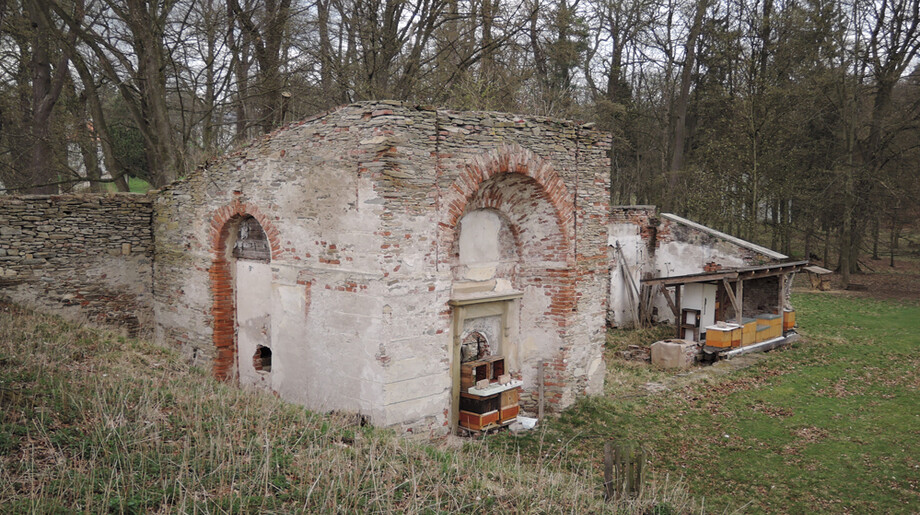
[{"x": 498, "y": 405}]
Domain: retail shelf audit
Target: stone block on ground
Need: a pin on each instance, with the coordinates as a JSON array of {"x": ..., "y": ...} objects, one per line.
[{"x": 675, "y": 353}]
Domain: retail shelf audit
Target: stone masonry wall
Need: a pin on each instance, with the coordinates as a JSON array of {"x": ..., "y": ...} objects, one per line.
[
  {"x": 563, "y": 309},
  {"x": 360, "y": 206},
  {"x": 88, "y": 256}
]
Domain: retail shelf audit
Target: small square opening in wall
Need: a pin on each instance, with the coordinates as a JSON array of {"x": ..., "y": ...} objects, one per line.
[{"x": 262, "y": 360}]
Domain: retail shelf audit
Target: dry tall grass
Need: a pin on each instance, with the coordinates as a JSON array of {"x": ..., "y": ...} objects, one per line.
[{"x": 94, "y": 422}]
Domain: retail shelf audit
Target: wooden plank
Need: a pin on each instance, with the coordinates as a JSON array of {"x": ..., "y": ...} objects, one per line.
[
  {"x": 645, "y": 310},
  {"x": 731, "y": 295},
  {"x": 781, "y": 298},
  {"x": 455, "y": 370},
  {"x": 667, "y": 297},
  {"x": 541, "y": 387},
  {"x": 757, "y": 274},
  {"x": 677, "y": 288},
  {"x": 633, "y": 289},
  {"x": 609, "y": 484},
  {"x": 739, "y": 294},
  {"x": 746, "y": 272},
  {"x": 703, "y": 278}
]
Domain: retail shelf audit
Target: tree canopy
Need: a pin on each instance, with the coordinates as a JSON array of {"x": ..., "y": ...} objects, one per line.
[{"x": 797, "y": 119}]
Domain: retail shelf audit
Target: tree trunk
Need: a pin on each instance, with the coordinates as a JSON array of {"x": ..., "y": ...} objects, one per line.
[
  {"x": 679, "y": 114},
  {"x": 100, "y": 127},
  {"x": 893, "y": 240},
  {"x": 846, "y": 235},
  {"x": 808, "y": 238},
  {"x": 86, "y": 142},
  {"x": 325, "y": 51},
  {"x": 164, "y": 157},
  {"x": 45, "y": 93},
  {"x": 875, "y": 236},
  {"x": 827, "y": 244},
  {"x": 784, "y": 227},
  {"x": 488, "y": 52},
  {"x": 774, "y": 215}
]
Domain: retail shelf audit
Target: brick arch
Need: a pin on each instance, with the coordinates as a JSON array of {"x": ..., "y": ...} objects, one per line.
[
  {"x": 507, "y": 159},
  {"x": 223, "y": 308}
]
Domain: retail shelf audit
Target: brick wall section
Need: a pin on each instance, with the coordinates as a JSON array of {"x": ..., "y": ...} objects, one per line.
[
  {"x": 658, "y": 232},
  {"x": 88, "y": 256},
  {"x": 571, "y": 163}
]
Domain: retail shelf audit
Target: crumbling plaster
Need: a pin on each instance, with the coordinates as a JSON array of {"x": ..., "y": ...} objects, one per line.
[
  {"x": 365, "y": 204},
  {"x": 666, "y": 245}
]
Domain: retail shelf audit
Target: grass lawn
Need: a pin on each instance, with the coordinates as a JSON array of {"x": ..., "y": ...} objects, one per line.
[
  {"x": 135, "y": 185},
  {"x": 831, "y": 424},
  {"x": 94, "y": 422}
]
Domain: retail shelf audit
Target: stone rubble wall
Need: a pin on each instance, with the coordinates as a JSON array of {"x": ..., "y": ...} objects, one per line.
[
  {"x": 567, "y": 334},
  {"x": 88, "y": 256}
]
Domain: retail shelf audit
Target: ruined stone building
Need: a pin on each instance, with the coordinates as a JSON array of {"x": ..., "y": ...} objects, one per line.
[
  {"x": 666, "y": 245},
  {"x": 342, "y": 261},
  {"x": 351, "y": 261}
]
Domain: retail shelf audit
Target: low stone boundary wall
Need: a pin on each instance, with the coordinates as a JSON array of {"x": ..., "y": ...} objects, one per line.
[{"x": 89, "y": 256}]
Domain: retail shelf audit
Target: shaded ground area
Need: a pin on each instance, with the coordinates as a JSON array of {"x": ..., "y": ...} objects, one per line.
[
  {"x": 900, "y": 283},
  {"x": 828, "y": 425},
  {"x": 878, "y": 280}
]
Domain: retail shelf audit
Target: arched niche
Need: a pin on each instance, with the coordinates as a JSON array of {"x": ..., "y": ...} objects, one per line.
[
  {"x": 241, "y": 287},
  {"x": 486, "y": 248},
  {"x": 511, "y": 264}
]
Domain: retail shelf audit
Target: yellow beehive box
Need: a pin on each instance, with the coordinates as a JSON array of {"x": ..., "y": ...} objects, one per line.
[
  {"x": 748, "y": 331},
  {"x": 763, "y": 333},
  {"x": 723, "y": 335},
  {"x": 788, "y": 320},
  {"x": 774, "y": 322}
]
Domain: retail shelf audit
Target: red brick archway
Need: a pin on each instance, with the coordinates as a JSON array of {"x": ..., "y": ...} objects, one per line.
[
  {"x": 223, "y": 309},
  {"x": 507, "y": 159},
  {"x": 473, "y": 189}
]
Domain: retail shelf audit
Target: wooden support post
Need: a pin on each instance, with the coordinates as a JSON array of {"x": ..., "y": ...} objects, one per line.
[
  {"x": 677, "y": 318},
  {"x": 739, "y": 296},
  {"x": 455, "y": 370},
  {"x": 782, "y": 294},
  {"x": 541, "y": 380},
  {"x": 610, "y": 491},
  {"x": 645, "y": 305},
  {"x": 667, "y": 297},
  {"x": 624, "y": 466},
  {"x": 731, "y": 295}
]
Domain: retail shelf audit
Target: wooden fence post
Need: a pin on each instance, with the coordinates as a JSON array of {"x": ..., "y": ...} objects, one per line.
[
  {"x": 540, "y": 380},
  {"x": 609, "y": 486},
  {"x": 624, "y": 470}
]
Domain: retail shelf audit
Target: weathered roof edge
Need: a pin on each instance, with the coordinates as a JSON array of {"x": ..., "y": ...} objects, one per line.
[
  {"x": 744, "y": 272},
  {"x": 721, "y": 235}
]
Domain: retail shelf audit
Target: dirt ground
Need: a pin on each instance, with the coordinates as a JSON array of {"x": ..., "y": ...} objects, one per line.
[{"x": 877, "y": 280}]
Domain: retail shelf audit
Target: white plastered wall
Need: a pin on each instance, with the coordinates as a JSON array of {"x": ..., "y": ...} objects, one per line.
[{"x": 672, "y": 257}]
